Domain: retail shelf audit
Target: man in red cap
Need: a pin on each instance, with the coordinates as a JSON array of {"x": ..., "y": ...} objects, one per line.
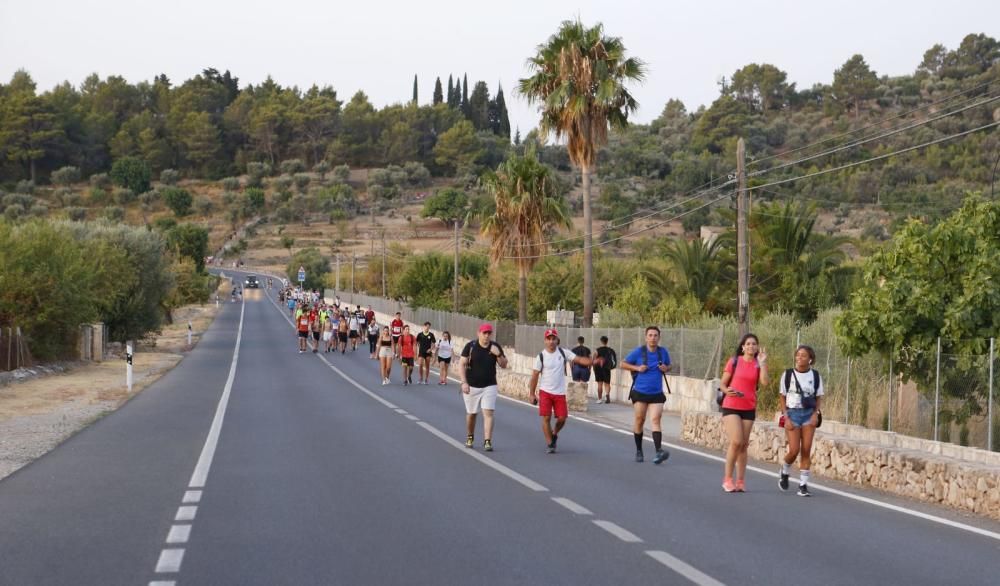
[
  {"x": 549, "y": 376},
  {"x": 478, "y": 371}
]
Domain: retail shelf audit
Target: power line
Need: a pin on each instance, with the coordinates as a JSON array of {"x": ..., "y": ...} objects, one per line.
[
  {"x": 872, "y": 159},
  {"x": 886, "y": 134},
  {"x": 874, "y": 124}
]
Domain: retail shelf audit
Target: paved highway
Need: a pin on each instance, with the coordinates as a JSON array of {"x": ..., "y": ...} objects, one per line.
[{"x": 252, "y": 464}]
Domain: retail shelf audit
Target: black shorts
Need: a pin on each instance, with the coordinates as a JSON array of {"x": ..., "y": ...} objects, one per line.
[
  {"x": 316, "y": 336},
  {"x": 424, "y": 354},
  {"x": 636, "y": 397},
  {"x": 395, "y": 340},
  {"x": 342, "y": 336},
  {"x": 353, "y": 334},
  {"x": 407, "y": 361},
  {"x": 304, "y": 334},
  {"x": 444, "y": 360},
  {"x": 602, "y": 375},
  {"x": 745, "y": 414}
]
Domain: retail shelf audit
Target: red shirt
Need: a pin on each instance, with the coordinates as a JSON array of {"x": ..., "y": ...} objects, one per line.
[
  {"x": 744, "y": 380},
  {"x": 369, "y": 316},
  {"x": 303, "y": 323},
  {"x": 397, "y": 327},
  {"x": 406, "y": 346}
]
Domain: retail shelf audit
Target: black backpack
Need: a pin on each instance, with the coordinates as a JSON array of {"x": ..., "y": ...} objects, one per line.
[
  {"x": 541, "y": 358},
  {"x": 807, "y": 402}
]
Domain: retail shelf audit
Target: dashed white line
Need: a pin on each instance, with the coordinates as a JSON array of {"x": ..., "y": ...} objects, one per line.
[
  {"x": 186, "y": 513},
  {"x": 163, "y": 583},
  {"x": 179, "y": 534},
  {"x": 575, "y": 508},
  {"x": 191, "y": 496},
  {"x": 684, "y": 569},
  {"x": 618, "y": 531},
  {"x": 412, "y": 417},
  {"x": 400, "y": 411},
  {"x": 170, "y": 561}
]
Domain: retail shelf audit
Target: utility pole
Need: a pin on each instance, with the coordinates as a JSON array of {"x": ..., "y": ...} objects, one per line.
[
  {"x": 338, "y": 274},
  {"x": 455, "y": 285},
  {"x": 383, "y": 263},
  {"x": 742, "y": 238},
  {"x": 354, "y": 261}
]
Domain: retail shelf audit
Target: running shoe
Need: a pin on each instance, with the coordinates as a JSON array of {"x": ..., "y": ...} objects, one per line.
[
  {"x": 741, "y": 486},
  {"x": 638, "y": 456},
  {"x": 598, "y": 402},
  {"x": 728, "y": 485},
  {"x": 661, "y": 457},
  {"x": 782, "y": 480},
  {"x": 551, "y": 448},
  {"x": 488, "y": 445},
  {"x": 803, "y": 490},
  {"x": 469, "y": 441},
  {"x": 607, "y": 400},
  {"x": 385, "y": 382}
]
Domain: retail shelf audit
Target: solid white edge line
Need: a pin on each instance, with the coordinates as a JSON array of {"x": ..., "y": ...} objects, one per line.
[
  {"x": 200, "y": 474},
  {"x": 684, "y": 569},
  {"x": 186, "y": 513},
  {"x": 618, "y": 531},
  {"x": 170, "y": 560},
  {"x": 529, "y": 483},
  {"x": 179, "y": 534},
  {"x": 573, "y": 507},
  {"x": 191, "y": 496}
]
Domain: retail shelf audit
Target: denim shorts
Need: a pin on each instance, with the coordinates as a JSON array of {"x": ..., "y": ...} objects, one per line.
[{"x": 800, "y": 417}]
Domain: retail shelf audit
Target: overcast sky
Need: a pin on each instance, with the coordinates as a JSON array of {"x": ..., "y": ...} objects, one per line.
[{"x": 378, "y": 46}]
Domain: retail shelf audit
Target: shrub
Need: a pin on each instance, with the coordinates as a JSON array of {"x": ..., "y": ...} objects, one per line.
[
  {"x": 114, "y": 213},
  {"x": 98, "y": 196},
  {"x": 178, "y": 200},
  {"x": 292, "y": 166},
  {"x": 255, "y": 199},
  {"x": 231, "y": 183},
  {"x": 170, "y": 176},
  {"x": 100, "y": 180},
  {"x": 203, "y": 205},
  {"x": 25, "y": 186},
  {"x": 39, "y": 210},
  {"x": 321, "y": 168},
  {"x": 124, "y": 196},
  {"x": 76, "y": 214},
  {"x": 13, "y": 211},
  {"x": 66, "y": 175},
  {"x": 302, "y": 181},
  {"x": 342, "y": 173},
  {"x": 131, "y": 172}
]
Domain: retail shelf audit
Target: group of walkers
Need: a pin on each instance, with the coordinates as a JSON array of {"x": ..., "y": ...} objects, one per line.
[{"x": 801, "y": 387}]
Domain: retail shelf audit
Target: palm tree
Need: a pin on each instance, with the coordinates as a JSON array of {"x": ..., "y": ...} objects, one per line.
[
  {"x": 527, "y": 208},
  {"x": 699, "y": 266},
  {"x": 579, "y": 83}
]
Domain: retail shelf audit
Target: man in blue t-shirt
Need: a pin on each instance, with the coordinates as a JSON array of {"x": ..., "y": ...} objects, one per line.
[{"x": 649, "y": 365}]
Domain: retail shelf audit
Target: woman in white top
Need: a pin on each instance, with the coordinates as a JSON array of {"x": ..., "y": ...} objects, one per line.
[
  {"x": 444, "y": 352},
  {"x": 801, "y": 391}
]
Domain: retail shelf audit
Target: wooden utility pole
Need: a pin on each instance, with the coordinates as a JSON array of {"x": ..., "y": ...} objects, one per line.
[
  {"x": 455, "y": 285},
  {"x": 383, "y": 263},
  {"x": 354, "y": 262},
  {"x": 338, "y": 274},
  {"x": 742, "y": 239}
]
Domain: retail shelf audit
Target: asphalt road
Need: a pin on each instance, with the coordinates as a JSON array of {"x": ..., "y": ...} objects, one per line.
[{"x": 321, "y": 475}]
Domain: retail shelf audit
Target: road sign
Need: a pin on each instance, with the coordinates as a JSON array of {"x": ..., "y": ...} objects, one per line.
[{"x": 302, "y": 274}]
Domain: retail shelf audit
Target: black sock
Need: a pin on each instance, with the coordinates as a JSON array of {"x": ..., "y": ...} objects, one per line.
[
  {"x": 638, "y": 441},
  {"x": 657, "y": 439}
]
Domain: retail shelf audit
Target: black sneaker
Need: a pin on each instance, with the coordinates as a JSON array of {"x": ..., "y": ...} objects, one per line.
[
  {"x": 551, "y": 448},
  {"x": 803, "y": 490},
  {"x": 661, "y": 456},
  {"x": 783, "y": 481},
  {"x": 555, "y": 438},
  {"x": 638, "y": 455}
]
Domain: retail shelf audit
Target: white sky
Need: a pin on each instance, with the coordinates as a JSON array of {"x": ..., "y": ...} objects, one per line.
[{"x": 378, "y": 46}]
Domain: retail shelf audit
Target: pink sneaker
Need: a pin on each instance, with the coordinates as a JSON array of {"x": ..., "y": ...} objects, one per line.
[
  {"x": 728, "y": 485},
  {"x": 741, "y": 486}
]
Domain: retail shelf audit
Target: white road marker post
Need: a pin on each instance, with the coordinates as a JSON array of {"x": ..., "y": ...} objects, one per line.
[
  {"x": 189, "y": 333},
  {"x": 128, "y": 367}
]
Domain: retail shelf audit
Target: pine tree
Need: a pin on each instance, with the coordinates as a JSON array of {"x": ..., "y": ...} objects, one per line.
[
  {"x": 414, "y": 89},
  {"x": 438, "y": 93},
  {"x": 499, "y": 120},
  {"x": 452, "y": 102},
  {"x": 465, "y": 94},
  {"x": 517, "y": 137}
]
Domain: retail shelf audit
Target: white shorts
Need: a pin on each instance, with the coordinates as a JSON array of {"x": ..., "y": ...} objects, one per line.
[
  {"x": 327, "y": 336},
  {"x": 485, "y": 397},
  {"x": 384, "y": 352}
]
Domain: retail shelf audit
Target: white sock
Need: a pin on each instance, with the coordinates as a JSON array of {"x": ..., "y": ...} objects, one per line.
[
  {"x": 804, "y": 477},
  {"x": 786, "y": 468}
]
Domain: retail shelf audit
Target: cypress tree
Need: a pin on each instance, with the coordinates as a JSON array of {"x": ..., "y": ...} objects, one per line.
[
  {"x": 465, "y": 92},
  {"x": 414, "y": 89},
  {"x": 438, "y": 92},
  {"x": 499, "y": 118},
  {"x": 451, "y": 92}
]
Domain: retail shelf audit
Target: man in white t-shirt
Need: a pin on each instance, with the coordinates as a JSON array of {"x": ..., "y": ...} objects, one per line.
[{"x": 548, "y": 376}]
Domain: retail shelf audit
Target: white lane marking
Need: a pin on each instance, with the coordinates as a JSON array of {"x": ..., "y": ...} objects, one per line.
[
  {"x": 208, "y": 451},
  {"x": 684, "y": 569},
  {"x": 412, "y": 417},
  {"x": 191, "y": 496},
  {"x": 583, "y": 419},
  {"x": 186, "y": 513},
  {"x": 163, "y": 583},
  {"x": 572, "y": 506},
  {"x": 170, "y": 561},
  {"x": 179, "y": 534},
  {"x": 400, "y": 411},
  {"x": 604, "y": 425},
  {"x": 625, "y": 432},
  {"x": 618, "y": 531},
  {"x": 491, "y": 463}
]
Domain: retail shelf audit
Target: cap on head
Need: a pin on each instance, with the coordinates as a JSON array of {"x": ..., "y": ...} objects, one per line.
[
  {"x": 551, "y": 333},
  {"x": 485, "y": 328}
]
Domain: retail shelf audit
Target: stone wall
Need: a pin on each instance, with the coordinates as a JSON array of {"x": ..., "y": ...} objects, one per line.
[{"x": 972, "y": 486}]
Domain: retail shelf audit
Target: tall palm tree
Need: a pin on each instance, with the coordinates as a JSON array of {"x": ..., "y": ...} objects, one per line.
[
  {"x": 699, "y": 266},
  {"x": 527, "y": 208},
  {"x": 578, "y": 80}
]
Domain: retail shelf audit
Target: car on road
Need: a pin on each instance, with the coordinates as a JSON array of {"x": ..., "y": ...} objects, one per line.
[{"x": 251, "y": 282}]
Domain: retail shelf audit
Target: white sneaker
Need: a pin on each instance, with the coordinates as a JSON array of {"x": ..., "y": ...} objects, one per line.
[
  {"x": 385, "y": 382},
  {"x": 599, "y": 401}
]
